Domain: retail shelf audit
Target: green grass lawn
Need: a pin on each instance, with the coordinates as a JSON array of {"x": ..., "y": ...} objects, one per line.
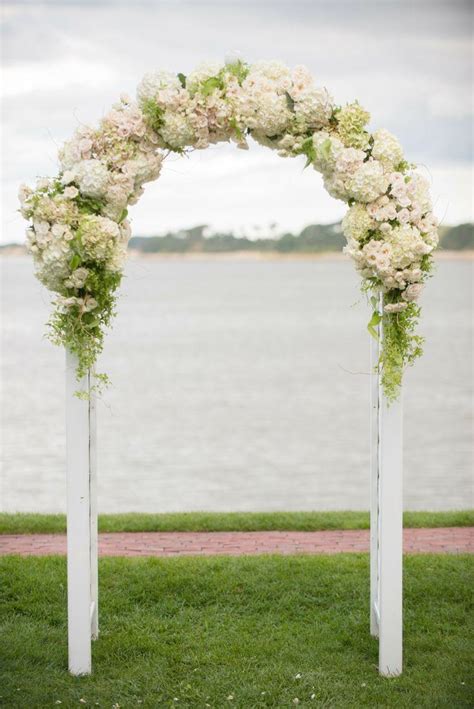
[
  {"x": 229, "y": 521},
  {"x": 236, "y": 632}
]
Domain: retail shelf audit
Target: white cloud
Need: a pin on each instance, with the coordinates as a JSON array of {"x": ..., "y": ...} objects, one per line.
[{"x": 34, "y": 77}]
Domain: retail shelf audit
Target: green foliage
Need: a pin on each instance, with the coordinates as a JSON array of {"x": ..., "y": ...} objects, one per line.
[
  {"x": 238, "y": 132},
  {"x": 123, "y": 215},
  {"x": 193, "y": 632},
  {"x": 308, "y": 149},
  {"x": 401, "y": 346},
  {"x": 208, "y": 86},
  {"x": 89, "y": 205},
  {"x": 153, "y": 114},
  {"x": 83, "y": 332},
  {"x": 373, "y": 323},
  {"x": 182, "y": 79},
  {"x": 239, "y": 69},
  {"x": 75, "y": 262}
]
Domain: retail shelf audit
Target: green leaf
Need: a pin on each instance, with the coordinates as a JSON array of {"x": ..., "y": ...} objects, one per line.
[
  {"x": 153, "y": 113},
  {"x": 182, "y": 80},
  {"x": 74, "y": 262},
  {"x": 233, "y": 124},
  {"x": 210, "y": 85},
  {"x": 289, "y": 101},
  {"x": 325, "y": 149},
  {"x": 238, "y": 69},
  {"x": 309, "y": 151},
  {"x": 374, "y": 321},
  {"x": 123, "y": 215}
]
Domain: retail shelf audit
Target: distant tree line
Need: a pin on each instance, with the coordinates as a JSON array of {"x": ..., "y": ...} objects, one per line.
[{"x": 315, "y": 238}]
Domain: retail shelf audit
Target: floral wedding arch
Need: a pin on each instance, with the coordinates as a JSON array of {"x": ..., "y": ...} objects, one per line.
[{"x": 78, "y": 238}]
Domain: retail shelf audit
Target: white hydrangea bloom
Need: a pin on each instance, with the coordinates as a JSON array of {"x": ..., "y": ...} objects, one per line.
[
  {"x": 357, "y": 223},
  {"x": 154, "y": 83},
  {"x": 70, "y": 154},
  {"x": 119, "y": 255},
  {"x": 144, "y": 168},
  {"x": 176, "y": 131},
  {"x": 368, "y": 182},
  {"x": 266, "y": 113},
  {"x": 98, "y": 236},
  {"x": 418, "y": 190},
  {"x": 327, "y": 149},
  {"x": 268, "y": 76},
  {"x": 92, "y": 177},
  {"x": 289, "y": 145},
  {"x": 313, "y": 107},
  {"x": 301, "y": 80},
  {"x": 336, "y": 185},
  {"x": 386, "y": 148},
  {"x": 348, "y": 161}
]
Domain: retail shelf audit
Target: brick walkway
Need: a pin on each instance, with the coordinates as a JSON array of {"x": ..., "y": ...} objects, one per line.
[{"x": 450, "y": 540}]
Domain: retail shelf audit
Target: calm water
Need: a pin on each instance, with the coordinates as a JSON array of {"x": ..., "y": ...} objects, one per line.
[{"x": 237, "y": 386}]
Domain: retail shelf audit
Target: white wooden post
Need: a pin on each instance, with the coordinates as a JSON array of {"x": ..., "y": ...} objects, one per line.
[
  {"x": 93, "y": 514},
  {"x": 374, "y": 487},
  {"x": 386, "y": 524},
  {"x": 390, "y": 537},
  {"x": 81, "y": 520}
]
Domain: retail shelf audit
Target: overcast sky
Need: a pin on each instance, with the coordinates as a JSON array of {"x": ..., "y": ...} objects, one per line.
[{"x": 408, "y": 62}]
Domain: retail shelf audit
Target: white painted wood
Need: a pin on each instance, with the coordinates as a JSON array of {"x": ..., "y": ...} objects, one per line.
[
  {"x": 377, "y": 614},
  {"x": 94, "y": 569},
  {"x": 374, "y": 484},
  {"x": 390, "y": 536},
  {"x": 78, "y": 522}
]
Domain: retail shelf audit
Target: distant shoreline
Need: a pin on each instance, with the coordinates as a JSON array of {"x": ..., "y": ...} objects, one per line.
[
  {"x": 135, "y": 255},
  {"x": 467, "y": 255}
]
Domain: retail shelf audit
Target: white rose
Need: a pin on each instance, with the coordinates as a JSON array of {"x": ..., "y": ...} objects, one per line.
[
  {"x": 68, "y": 177},
  {"x": 71, "y": 192},
  {"x": 412, "y": 292},
  {"x": 395, "y": 307}
]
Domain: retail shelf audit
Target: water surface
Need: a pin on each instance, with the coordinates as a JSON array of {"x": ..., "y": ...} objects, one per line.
[{"x": 237, "y": 385}]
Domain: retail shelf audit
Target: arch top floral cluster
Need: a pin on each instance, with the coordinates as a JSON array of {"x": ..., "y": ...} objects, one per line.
[{"x": 79, "y": 229}]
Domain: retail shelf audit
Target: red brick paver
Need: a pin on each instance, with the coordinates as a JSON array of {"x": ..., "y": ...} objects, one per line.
[{"x": 450, "y": 540}]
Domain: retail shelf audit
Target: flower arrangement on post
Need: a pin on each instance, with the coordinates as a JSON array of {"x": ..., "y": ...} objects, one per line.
[{"x": 79, "y": 229}]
